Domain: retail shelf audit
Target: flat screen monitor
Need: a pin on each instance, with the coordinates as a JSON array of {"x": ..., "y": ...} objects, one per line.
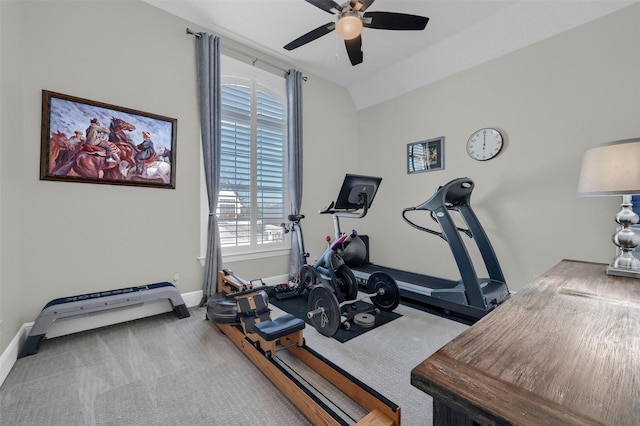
[{"x": 349, "y": 197}]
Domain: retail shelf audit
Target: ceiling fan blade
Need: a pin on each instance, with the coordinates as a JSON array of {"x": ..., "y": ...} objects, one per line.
[
  {"x": 354, "y": 50},
  {"x": 394, "y": 21},
  {"x": 361, "y": 5},
  {"x": 311, "y": 35},
  {"x": 326, "y": 5}
]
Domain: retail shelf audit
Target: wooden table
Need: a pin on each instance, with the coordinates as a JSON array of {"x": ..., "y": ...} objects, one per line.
[{"x": 563, "y": 351}]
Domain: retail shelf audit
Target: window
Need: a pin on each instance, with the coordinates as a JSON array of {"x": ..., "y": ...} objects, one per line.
[{"x": 253, "y": 182}]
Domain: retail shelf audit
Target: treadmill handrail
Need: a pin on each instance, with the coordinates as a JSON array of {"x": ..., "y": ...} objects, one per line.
[
  {"x": 421, "y": 228},
  {"x": 465, "y": 231}
]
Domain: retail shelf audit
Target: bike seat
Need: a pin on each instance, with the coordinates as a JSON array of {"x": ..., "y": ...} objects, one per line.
[{"x": 295, "y": 217}]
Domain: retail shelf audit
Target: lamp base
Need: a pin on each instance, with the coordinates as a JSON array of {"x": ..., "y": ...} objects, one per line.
[
  {"x": 623, "y": 272},
  {"x": 626, "y": 264}
]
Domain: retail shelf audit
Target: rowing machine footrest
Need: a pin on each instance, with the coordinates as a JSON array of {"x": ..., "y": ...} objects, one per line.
[
  {"x": 282, "y": 326},
  {"x": 253, "y": 309}
]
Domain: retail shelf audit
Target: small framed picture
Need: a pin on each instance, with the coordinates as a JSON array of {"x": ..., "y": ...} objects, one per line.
[
  {"x": 93, "y": 142},
  {"x": 425, "y": 156}
]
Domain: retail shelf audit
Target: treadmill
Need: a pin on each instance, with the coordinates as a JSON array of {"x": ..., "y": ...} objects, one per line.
[{"x": 470, "y": 297}]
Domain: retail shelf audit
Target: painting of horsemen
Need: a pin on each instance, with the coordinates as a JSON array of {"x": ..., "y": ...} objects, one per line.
[{"x": 93, "y": 142}]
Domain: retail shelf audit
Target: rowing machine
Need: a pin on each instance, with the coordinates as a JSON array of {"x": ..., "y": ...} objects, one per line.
[{"x": 259, "y": 337}]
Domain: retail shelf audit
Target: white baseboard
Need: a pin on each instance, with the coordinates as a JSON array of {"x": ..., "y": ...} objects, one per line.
[
  {"x": 88, "y": 322},
  {"x": 71, "y": 325},
  {"x": 10, "y": 355}
]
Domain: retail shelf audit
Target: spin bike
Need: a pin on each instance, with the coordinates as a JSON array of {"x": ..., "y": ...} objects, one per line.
[
  {"x": 332, "y": 264},
  {"x": 332, "y": 288},
  {"x": 330, "y": 268}
]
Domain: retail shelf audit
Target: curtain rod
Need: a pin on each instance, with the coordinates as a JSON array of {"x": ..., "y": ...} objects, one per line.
[{"x": 248, "y": 55}]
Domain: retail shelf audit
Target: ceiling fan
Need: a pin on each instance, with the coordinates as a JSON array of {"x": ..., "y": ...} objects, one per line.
[{"x": 351, "y": 19}]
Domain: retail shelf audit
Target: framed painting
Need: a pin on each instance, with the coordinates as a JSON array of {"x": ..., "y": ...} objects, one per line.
[
  {"x": 93, "y": 142},
  {"x": 425, "y": 156}
]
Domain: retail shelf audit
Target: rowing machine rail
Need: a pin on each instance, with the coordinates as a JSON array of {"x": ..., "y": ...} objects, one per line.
[{"x": 260, "y": 346}]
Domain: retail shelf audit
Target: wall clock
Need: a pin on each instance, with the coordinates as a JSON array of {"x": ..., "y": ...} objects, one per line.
[{"x": 485, "y": 144}]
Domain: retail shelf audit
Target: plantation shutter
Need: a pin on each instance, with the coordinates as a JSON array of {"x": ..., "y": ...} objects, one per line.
[
  {"x": 271, "y": 178},
  {"x": 251, "y": 214}
]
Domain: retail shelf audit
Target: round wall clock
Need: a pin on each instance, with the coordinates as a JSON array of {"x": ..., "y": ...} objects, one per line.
[{"x": 484, "y": 144}]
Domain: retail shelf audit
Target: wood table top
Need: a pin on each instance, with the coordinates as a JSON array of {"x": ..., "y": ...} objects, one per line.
[{"x": 564, "y": 350}]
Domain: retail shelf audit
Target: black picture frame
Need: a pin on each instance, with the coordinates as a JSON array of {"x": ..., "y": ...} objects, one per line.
[
  {"x": 93, "y": 142},
  {"x": 425, "y": 156}
]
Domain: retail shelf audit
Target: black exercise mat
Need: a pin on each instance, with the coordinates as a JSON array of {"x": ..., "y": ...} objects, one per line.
[{"x": 297, "y": 306}]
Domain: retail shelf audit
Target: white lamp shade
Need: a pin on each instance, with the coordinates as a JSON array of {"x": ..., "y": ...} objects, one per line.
[
  {"x": 349, "y": 26},
  {"x": 611, "y": 169}
]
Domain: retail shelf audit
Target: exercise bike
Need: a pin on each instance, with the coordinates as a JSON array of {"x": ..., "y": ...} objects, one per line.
[
  {"x": 330, "y": 268},
  {"x": 331, "y": 287}
]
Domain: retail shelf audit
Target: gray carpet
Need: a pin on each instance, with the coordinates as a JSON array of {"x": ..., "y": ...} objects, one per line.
[{"x": 165, "y": 371}]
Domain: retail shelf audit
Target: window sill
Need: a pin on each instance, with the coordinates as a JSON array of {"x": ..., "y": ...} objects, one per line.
[{"x": 240, "y": 257}]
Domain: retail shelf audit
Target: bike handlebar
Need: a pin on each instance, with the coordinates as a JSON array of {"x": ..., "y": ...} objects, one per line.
[
  {"x": 345, "y": 238},
  {"x": 355, "y": 214}
]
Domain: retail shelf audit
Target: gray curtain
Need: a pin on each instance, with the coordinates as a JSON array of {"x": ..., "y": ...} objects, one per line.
[
  {"x": 208, "y": 64},
  {"x": 294, "y": 130}
]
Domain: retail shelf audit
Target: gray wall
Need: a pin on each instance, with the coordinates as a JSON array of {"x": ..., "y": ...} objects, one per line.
[
  {"x": 551, "y": 100},
  {"x": 60, "y": 239},
  {"x": 57, "y": 239}
]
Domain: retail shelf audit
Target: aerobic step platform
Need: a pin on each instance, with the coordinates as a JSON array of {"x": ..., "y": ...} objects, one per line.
[{"x": 83, "y": 304}]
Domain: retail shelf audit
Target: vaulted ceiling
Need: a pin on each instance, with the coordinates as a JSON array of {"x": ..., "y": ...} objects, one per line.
[{"x": 459, "y": 35}]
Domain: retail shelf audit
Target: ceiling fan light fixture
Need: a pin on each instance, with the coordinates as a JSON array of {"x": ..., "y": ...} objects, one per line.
[{"x": 349, "y": 25}]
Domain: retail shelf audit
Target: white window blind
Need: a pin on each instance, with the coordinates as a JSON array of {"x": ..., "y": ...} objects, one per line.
[{"x": 253, "y": 191}]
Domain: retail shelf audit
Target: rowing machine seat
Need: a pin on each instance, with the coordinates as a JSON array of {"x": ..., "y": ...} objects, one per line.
[{"x": 279, "y": 327}]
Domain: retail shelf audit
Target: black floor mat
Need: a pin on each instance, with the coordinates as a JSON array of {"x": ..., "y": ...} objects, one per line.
[{"x": 297, "y": 306}]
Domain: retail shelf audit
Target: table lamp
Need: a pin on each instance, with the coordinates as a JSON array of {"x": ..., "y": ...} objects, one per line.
[{"x": 614, "y": 169}]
